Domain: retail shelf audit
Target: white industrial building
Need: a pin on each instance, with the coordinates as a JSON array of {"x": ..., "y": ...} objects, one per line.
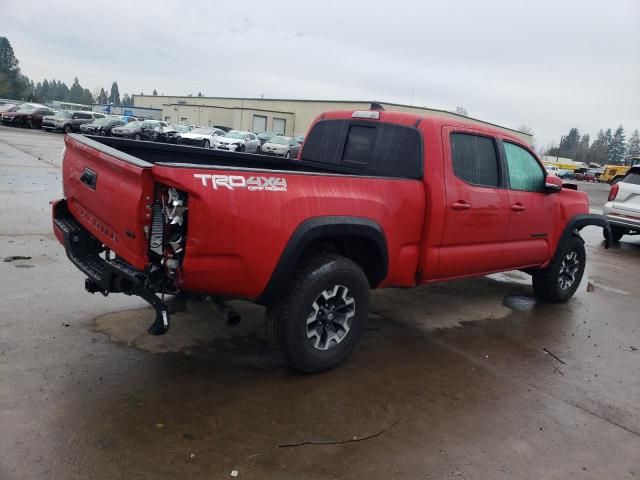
[{"x": 291, "y": 117}]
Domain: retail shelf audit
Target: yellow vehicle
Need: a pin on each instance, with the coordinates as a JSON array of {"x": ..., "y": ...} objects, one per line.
[{"x": 614, "y": 173}]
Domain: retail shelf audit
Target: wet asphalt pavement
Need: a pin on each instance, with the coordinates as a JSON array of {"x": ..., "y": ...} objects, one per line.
[{"x": 462, "y": 380}]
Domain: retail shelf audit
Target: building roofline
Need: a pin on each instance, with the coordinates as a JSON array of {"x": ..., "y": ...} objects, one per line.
[
  {"x": 224, "y": 108},
  {"x": 462, "y": 117}
]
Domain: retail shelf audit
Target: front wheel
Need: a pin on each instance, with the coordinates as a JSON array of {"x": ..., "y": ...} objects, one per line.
[
  {"x": 240, "y": 148},
  {"x": 559, "y": 281},
  {"x": 136, "y": 136},
  {"x": 67, "y": 129},
  {"x": 320, "y": 319},
  {"x": 205, "y": 144},
  {"x": 288, "y": 155}
]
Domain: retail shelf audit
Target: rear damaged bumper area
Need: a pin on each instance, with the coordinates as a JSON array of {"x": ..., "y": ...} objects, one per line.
[{"x": 106, "y": 273}]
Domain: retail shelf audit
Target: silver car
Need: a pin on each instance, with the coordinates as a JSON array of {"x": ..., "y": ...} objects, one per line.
[
  {"x": 623, "y": 208},
  {"x": 279, "y": 146},
  {"x": 239, "y": 141}
]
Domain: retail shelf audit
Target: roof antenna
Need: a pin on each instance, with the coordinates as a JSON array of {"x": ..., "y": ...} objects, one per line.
[{"x": 376, "y": 106}]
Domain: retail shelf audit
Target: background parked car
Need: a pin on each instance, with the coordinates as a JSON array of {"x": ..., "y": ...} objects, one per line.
[
  {"x": 264, "y": 137},
  {"x": 30, "y": 117},
  {"x": 68, "y": 121},
  {"x": 202, "y": 137},
  {"x": 145, "y": 130},
  {"x": 239, "y": 141},
  {"x": 8, "y": 107},
  {"x": 295, "y": 149},
  {"x": 623, "y": 206},
  {"x": 279, "y": 146},
  {"x": 102, "y": 126},
  {"x": 584, "y": 175}
]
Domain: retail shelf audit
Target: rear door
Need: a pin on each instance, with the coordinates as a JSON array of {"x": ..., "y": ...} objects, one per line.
[
  {"x": 476, "y": 208},
  {"x": 530, "y": 209},
  {"x": 109, "y": 193}
]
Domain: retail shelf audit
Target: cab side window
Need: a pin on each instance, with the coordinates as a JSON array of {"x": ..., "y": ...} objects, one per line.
[
  {"x": 525, "y": 173},
  {"x": 475, "y": 159}
]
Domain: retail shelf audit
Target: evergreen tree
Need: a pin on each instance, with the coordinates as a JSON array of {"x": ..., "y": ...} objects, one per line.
[
  {"x": 75, "y": 92},
  {"x": 45, "y": 92},
  {"x": 12, "y": 83},
  {"x": 126, "y": 100},
  {"x": 618, "y": 146},
  {"x": 569, "y": 144},
  {"x": 609, "y": 140},
  {"x": 633, "y": 145},
  {"x": 102, "y": 97},
  {"x": 115, "y": 94},
  {"x": 155, "y": 93},
  {"x": 87, "y": 97}
]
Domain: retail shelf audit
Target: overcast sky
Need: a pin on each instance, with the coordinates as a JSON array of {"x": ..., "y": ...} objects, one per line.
[{"x": 549, "y": 64}]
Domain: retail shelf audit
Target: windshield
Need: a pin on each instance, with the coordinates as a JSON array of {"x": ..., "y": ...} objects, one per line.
[
  {"x": 234, "y": 134},
  {"x": 63, "y": 115},
  {"x": 202, "y": 131},
  {"x": 26, "y": 110},
  {"x": 280, "y": 140},
  {"x": 132, "y": 125},
  {"x": 266, "y": 135}
]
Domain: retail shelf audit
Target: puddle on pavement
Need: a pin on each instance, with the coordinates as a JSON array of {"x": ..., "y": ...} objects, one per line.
[
  {"x": 519, "y": 302},
  {"x": 199, "y": 324}
]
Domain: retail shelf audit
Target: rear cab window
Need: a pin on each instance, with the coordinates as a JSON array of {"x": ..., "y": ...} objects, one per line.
[
  {"x": 475, "y": 159},
  {"x": 370, "y": 148}
]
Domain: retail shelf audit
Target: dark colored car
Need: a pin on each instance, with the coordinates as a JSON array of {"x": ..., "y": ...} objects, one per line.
[
  {"x": 67, "y": 121},
  {"x": 584, "y": 175},
  {"x": 145, "y": 130},
  {"x": 102, "y": 126},
  {"x": 264, "y": 137},
  {"x": 30, "y": 117}
]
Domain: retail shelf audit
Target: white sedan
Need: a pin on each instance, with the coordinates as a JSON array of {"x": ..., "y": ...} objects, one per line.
[
  {"x": 623, "y": 208},
  {"x": 206, "y": 137},
  {"x": 239, "y": 141}
]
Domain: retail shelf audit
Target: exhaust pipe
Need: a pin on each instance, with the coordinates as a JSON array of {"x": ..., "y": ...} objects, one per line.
[{"x": 230, "y": 316}]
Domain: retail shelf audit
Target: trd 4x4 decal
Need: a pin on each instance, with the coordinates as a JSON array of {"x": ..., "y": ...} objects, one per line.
[{"x": 231, "y": 182}]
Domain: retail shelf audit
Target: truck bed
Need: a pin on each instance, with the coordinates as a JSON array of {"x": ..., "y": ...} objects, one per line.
[{"x": 150, "y": 153}]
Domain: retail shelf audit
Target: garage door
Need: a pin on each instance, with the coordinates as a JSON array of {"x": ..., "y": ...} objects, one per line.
[
  {"x": 259, "y": 123},
  {"x": 279, "y": 125}
]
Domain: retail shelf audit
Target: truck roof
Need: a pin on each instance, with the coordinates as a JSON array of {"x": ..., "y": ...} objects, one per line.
[{"x": 414, "y": 119}]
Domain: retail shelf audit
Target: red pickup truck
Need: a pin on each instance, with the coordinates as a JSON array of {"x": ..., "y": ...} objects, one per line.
[{"x": 376, "y": 199}]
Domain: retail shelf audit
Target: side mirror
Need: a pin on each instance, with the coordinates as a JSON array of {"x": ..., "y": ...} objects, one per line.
[{"x": 552, "y": 184}]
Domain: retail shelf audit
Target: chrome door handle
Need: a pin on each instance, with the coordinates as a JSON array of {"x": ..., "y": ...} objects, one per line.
[{"x": 516, "y": 207}]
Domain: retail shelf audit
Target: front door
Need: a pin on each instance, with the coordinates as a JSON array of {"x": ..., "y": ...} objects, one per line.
[
  {"x": 476, "y": 206},
  {"x": 530, "y": 210}
]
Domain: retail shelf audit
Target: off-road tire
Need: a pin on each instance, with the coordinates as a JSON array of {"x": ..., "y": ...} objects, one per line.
[
  {"x": 286, "y": 319},
  {"x": 547, "y": 282},
  {"x": 616, "y": 233}
]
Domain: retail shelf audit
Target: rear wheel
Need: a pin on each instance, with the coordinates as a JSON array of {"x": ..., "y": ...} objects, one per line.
[
  {"x": 559, "y": 281},
  {"x": 322, "y": 316},
  {"x": 28, "y": 124}
]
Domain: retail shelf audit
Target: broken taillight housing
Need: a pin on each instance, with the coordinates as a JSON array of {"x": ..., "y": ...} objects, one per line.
[
  {"x": 613, "y": 193},
  {"x": 167, "y": 235}
]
